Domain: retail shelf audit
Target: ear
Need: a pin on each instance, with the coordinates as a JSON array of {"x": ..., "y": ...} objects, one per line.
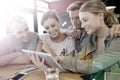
[{"x": 101, "y": 15}]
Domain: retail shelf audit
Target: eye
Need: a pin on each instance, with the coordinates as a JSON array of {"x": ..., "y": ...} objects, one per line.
[
  {"x": 20, "y": 32},
  {"x": 46, "y": 27},
  {"x": 26, "y": 29},
  {"x": 84, "y": 19},
  {"x": 52, "y": 25}
]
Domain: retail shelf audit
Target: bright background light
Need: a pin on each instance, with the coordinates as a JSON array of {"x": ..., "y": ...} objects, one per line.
[{"x": 23, "y": 8}]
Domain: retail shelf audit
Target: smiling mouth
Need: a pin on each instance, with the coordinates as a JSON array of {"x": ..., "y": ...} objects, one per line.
[{"x": 53, "y": 33}]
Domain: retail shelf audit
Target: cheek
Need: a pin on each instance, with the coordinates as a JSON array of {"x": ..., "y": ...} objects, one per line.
[
  {"x": 94, "y": 28},
  {"x": 18, "y": 36},
  {"x": 56, "y": 29}
]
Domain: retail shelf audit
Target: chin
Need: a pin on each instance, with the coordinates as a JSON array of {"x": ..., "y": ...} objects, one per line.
[{"x": 54, "y": 36}]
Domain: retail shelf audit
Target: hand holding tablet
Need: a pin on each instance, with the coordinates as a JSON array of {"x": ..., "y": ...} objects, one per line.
[{"x": 49, "y": 60}]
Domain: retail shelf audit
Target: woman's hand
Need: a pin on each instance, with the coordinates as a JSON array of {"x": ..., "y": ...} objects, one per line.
[
  {"x": 37, "y": 61},
  {"x": 46, "y": 48},
  {"x": 59, "y": 59},
  {"x": 42, "y": 46}
]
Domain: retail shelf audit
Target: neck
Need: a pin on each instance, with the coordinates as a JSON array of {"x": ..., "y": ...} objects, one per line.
[
  {"x": 103, "y": 31},
  {"x": 59, "y": 38}
]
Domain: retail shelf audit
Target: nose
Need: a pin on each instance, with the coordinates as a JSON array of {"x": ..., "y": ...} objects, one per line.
[
  {"x": 25, "y": 34},
  {"x": 50, "y": 29}
]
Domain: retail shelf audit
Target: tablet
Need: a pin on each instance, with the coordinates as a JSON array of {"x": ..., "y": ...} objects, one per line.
[{"x": 49, "y": 60}]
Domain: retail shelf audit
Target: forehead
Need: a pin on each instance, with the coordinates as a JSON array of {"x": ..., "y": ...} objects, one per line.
[
  {"x": 20, "y": 27},
  {"x": 85, "y": 15},
  {"x": 74, "y": 13},
  {"x": 50, "y": 21}
]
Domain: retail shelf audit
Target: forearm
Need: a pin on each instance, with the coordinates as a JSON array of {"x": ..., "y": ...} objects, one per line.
[
  {"x": 109, "y": 57},
  {"x": 75, "y": 65},
  {"x": 6, "y": 59},
  {"x": 48, "y": 50},
  {"x": 105, "y": 60},
  {"x": 22, "y": 59}
]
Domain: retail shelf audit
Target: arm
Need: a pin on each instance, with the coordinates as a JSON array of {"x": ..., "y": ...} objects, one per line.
[
  {"x": 12, "y": 58},
  {"x": 47, "y": 49},
  {"x": 7, "y": 54},
  {"x": 71, "y": 33},
  {"x": 110, "y": 56},
  {"x": 42, "y": 46},
  {"x": 101, "y": 62},
  {"x": 21, "y": 59}
]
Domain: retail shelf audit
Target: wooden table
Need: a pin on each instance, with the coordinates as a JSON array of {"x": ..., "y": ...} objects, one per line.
[{"x": 9, "y": 71}]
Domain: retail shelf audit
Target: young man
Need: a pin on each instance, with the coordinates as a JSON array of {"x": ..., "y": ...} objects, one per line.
[{"x": 19, "y": 37}]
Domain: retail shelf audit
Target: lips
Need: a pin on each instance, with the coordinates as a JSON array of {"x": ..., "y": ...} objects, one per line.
[{"x": 53, "y": 33}]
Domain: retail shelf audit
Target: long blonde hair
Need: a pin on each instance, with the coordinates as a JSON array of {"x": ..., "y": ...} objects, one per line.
[{"x": 96, "y": 7}]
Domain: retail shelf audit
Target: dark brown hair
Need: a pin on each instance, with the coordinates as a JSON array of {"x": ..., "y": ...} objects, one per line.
[
  {"x": 74, "y": 6},
  {"x": 47, "y": 15}
]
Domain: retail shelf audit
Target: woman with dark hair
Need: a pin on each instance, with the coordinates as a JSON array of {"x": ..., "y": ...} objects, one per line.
[{"x": 54, "y": 39}]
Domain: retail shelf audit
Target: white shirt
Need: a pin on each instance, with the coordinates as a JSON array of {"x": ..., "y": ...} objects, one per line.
[{"x": 67, "y": 44}]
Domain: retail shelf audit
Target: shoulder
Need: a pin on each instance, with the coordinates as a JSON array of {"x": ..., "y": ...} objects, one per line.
[
  {"x": 34, "y": 34},
  {"x": 8, "y": 38},
  {"x": 44, "y": 36}
]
